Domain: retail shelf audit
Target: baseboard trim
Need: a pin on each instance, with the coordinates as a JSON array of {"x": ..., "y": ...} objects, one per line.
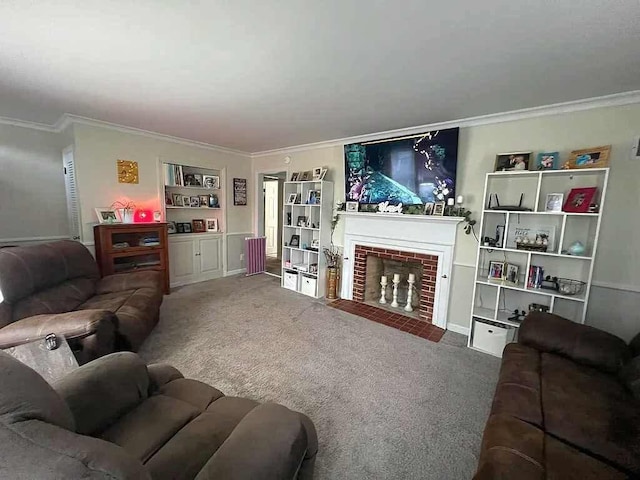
[
  {"x": 34, "y": 239},
  {"x": 235, "y": 272},
  {"x": 458, "y": 329}
]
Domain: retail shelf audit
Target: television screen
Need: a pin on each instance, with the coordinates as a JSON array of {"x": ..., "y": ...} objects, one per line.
[{"x": 411, "y": 170}]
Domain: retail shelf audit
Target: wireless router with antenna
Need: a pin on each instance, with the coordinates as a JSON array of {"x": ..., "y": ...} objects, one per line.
[{"x": 509, "y": 208}]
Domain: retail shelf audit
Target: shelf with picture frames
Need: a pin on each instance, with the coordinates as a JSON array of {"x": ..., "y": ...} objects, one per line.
[{"x": 519, "y": 249}]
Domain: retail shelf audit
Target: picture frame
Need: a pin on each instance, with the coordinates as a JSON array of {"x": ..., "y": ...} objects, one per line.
[
  {"x": 315, "y": 243},
  {"x": 194, "y": 201},
  {"x": 438, "y": 209},
  {"x": 108, "y": 215},
  {"x": 313, "y": 197},
  {"x": 511, "y": 272},
  {"x": 292, "y": 198},
  {"x": 548, "y": 161},
  {"x": 168, "y": 199},
  {"x": 315, "y": 175},
  {"x": 187, "y": 227},
  {"x": 323, "y": 174},
  {"x": 496, "y": 270},
  {"x": 554, "y": 202},
  {"x": 213, "y": 201},
  {"x": 157, "y": 216},
  {"x": 295, "y": 176},
  {"x": 508, "y": 162},
  {"x": 306, "y": 176},
  {"x": 351, "y": 206},
  {"x": 579, "y": 200},
  {"x": 428, "y": 208},
  {"x": 595, "y": 157},
  {"x": 295, "y": 241},
  {"x": 211, "y": 224},
  {"x": 179, "y": 227},
  {"x": 171, "y": 227},
  {"x": 240, "y": 191},
  {"x": 204, "y": 201},
  {"x": 198, "y": 225},
  {"x": 211, "y": 181},
  {"x": 302, "y": 221},
  {"x": 178, "y": 200},
  {"x": 186, "y": 201},
  {"x": 192, "y": 180}
]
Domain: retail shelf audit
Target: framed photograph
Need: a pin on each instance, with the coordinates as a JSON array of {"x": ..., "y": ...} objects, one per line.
[
  {"x": 352, "y": 206},
  {"x": 213, "y": 201},
  {"x": 171, "y": 227},
  {"x": 198, "y": 226},
  {"x": 323, "y": 174},
  {"x": 240, "y": 191},
  {"x": 579, "y": 199},
  {"x": 438, "y": 209},
  {"x": 108, "y": 215},
  {"x": 313, "y": 198},
  {"x": 519, "y": 233},
  {"x": 496, "y": 270},
  {"x": 302, "y": 221},
  {"x": 186, "y": 201},
  {"x": 295, "y": 241},
  {"x": 316, "y": 173},
  {"x": 211, "y": 181},
  {"x": 506, "y": 162},
  {"x": 179, "y": 227},
  {"x": 295, "y": 176},
  {"x": 178, "y": 200},
  {"x": 554, "y": 202},
  {"x": 211, "y": 224},
  {"x": 168, "y": 199},
  {"x": 548, "y": 161},
  {"x": 306, "y": 176},
  {"x": 157, "y": 216},
  {"x": 194, "y": 201},
  {"x": 596, "y": 157},
  {"x": 292, "y": 198},
  {"x": 511, "y": 273},
  {"x": 204, "y": 200},
  {"x": 315, "y": 243},
  {"x": 192, "y": 179},
  {"x": 428, "y": 208},
  {"x": 186, "y": 226}
]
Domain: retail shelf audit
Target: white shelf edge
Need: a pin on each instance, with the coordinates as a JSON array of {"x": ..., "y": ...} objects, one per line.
[
  {"x": 530, "y": 212},
  {"x": 549, "y": 254},
  {"x": 535, "y": 291}
]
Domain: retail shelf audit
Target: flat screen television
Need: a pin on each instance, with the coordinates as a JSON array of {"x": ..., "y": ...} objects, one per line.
[{"x": 412, "y": 170}]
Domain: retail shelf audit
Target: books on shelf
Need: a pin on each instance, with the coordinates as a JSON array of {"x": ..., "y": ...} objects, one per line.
[{"x": 173, "y": 175}]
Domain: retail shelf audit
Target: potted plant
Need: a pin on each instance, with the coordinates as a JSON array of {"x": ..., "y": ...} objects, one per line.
[{"x": 126, "y": 210}]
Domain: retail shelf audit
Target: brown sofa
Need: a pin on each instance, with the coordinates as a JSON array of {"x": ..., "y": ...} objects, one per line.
[
  {"x": 564, "y": 407},
  {"x": 117, "y": 419},
  {"x": 56, "y": 288}
]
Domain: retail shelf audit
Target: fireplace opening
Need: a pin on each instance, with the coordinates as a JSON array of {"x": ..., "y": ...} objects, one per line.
[
  {"x": 371, "y": 263},
  {"x": 377, "y": 267}
]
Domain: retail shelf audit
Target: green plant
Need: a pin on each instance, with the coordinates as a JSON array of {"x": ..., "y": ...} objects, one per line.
[{"x": 468, "y": 228}]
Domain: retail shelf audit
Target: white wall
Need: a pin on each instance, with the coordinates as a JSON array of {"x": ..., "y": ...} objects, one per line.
[
  {"x": 618, "y": 261},
  {"x": 32, "y": 194},
  {"x": 96, "y": 152}
]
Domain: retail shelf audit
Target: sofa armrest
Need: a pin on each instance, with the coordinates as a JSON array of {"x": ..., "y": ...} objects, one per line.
[
  {"x": 129, "y": 281},
  {"x": 582, "y": 344},
  {"x": 103, "y": 390},
  {"x": 269, "y": 443},
  {"x": 71, "y": 325},
  {"x": 161, "y": 374}
]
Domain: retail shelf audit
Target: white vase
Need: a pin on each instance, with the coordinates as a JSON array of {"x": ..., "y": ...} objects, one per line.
[{"x": 126, "y": 215}]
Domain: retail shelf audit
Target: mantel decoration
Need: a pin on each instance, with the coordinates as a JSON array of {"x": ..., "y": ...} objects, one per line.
[
  {"x": 127, "y": 171},
  {"x": 125, "y": 208}
]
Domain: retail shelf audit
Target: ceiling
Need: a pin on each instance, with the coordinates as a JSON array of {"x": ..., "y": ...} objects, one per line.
[{"x": 258, "y": 75}]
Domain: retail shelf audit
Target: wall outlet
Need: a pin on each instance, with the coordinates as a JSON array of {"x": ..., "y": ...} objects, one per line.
[{"x": 241, "y": 257}]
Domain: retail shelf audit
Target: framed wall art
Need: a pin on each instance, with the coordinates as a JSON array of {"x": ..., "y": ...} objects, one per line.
[{"x": 240, "y": 191}]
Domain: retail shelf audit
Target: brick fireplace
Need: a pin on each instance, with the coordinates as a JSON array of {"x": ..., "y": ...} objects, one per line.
[
  {"x": 366, "y": 278},
  {"x": 378, "y": 244}
]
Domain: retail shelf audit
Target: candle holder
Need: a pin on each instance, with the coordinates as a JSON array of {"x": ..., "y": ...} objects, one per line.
[
  {"x": 383, "y": 291},
  {"x": 396, "y": 282},
  {"x": 408, "y": 307}
]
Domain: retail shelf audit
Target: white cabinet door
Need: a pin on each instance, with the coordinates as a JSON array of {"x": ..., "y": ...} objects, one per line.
[
  {"x": 182, "y": 261},
  {"x": 210, "y": 255}
]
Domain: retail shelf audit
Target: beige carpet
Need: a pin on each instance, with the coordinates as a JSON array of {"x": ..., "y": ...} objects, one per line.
[{"x": 387, "y": 405}]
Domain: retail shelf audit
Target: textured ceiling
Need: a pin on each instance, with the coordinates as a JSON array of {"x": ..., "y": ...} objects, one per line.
[{"x": 256, "y": 75}]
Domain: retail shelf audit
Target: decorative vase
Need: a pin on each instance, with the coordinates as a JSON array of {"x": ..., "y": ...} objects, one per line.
[
  {"x": 126, "y": 214},
  {"x": 332, "y": 283}
]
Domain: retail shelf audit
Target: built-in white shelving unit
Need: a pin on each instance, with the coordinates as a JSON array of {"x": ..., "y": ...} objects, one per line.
[
  {"x": 494, "y": 300},
  {"x": 304, "y": 265}
]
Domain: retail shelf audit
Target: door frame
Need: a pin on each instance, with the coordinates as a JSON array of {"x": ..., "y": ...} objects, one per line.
[{"x": 258, "y": 211}]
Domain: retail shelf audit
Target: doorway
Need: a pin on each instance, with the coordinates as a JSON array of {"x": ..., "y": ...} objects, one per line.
[{"x": 270, "y": 225}]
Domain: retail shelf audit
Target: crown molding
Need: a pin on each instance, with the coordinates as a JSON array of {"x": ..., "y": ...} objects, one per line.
[
  {"x": 615, "y": 100},
  {"x": 43, "y": 127}
]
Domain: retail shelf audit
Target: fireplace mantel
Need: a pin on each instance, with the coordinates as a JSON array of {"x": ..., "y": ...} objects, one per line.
[{"x": 432, "y": 235}]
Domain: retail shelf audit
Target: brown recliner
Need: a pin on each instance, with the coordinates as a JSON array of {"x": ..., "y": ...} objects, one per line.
[
  {"x": 117, "y": 419},
  {"x": 56, "y": 288},
  {"x": 567, "y": 405}
]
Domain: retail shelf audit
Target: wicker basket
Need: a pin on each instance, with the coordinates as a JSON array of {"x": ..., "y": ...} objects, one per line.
[{"x": 568, "y": 286}]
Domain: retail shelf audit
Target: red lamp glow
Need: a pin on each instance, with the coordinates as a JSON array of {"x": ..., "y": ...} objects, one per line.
[{"x": 143, "y": 216}]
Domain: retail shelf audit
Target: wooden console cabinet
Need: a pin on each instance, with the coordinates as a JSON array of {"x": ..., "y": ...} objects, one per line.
[{"x": 127, "y": 247}]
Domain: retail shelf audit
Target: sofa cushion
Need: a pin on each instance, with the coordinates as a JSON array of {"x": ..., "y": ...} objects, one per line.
[
  {"x": 25, "y": 395},
  {"x": 145, "y": 429},
  {"x": 592, "y": 411},
  {"x": 184, "y": 455},
  {"x": 198, "y": 394},
  {"x": 630, "y": 376}
]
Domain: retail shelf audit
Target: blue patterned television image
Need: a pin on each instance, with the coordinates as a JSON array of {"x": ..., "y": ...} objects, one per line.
[{"x": 411, "y": 170}]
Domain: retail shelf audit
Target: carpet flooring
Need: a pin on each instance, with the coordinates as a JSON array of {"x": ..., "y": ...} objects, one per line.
[{"x": 386, "y": 404}]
